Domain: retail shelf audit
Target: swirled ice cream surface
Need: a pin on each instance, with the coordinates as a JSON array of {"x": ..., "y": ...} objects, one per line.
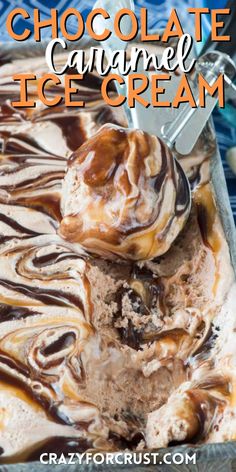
[{"x": 95, "y": 353}]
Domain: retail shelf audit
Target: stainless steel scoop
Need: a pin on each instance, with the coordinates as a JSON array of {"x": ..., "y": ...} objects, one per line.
[{"x": 180, "y": 128}]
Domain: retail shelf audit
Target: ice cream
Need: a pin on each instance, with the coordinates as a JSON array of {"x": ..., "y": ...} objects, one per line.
[
  {"x": 102, "y": 354},
  {"x": 124, "y": 196}
]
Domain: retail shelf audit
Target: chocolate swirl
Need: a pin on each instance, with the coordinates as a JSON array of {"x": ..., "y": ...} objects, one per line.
[{"x": 124, "y": 196}]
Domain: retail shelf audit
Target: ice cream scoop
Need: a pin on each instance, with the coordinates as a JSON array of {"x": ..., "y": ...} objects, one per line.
[{"x": 124, "y": 195}]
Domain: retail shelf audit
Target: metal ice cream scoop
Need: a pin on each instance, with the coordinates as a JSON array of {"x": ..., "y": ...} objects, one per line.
[
  {"x": 179, "y": 128},
  {"x": 183, "y": 132}
]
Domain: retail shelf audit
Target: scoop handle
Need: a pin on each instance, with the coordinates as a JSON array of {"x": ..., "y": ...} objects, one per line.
[{"x": 227, "y": 47}]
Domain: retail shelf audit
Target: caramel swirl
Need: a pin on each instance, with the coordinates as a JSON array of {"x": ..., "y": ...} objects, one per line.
[{"x": 123, "y": 195}]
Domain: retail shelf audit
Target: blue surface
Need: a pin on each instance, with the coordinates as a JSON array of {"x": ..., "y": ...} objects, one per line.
[{"x": 158, "y": 11}]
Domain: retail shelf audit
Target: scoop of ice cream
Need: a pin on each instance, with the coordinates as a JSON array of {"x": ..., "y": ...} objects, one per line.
[{"x": 124, "y": 195}]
